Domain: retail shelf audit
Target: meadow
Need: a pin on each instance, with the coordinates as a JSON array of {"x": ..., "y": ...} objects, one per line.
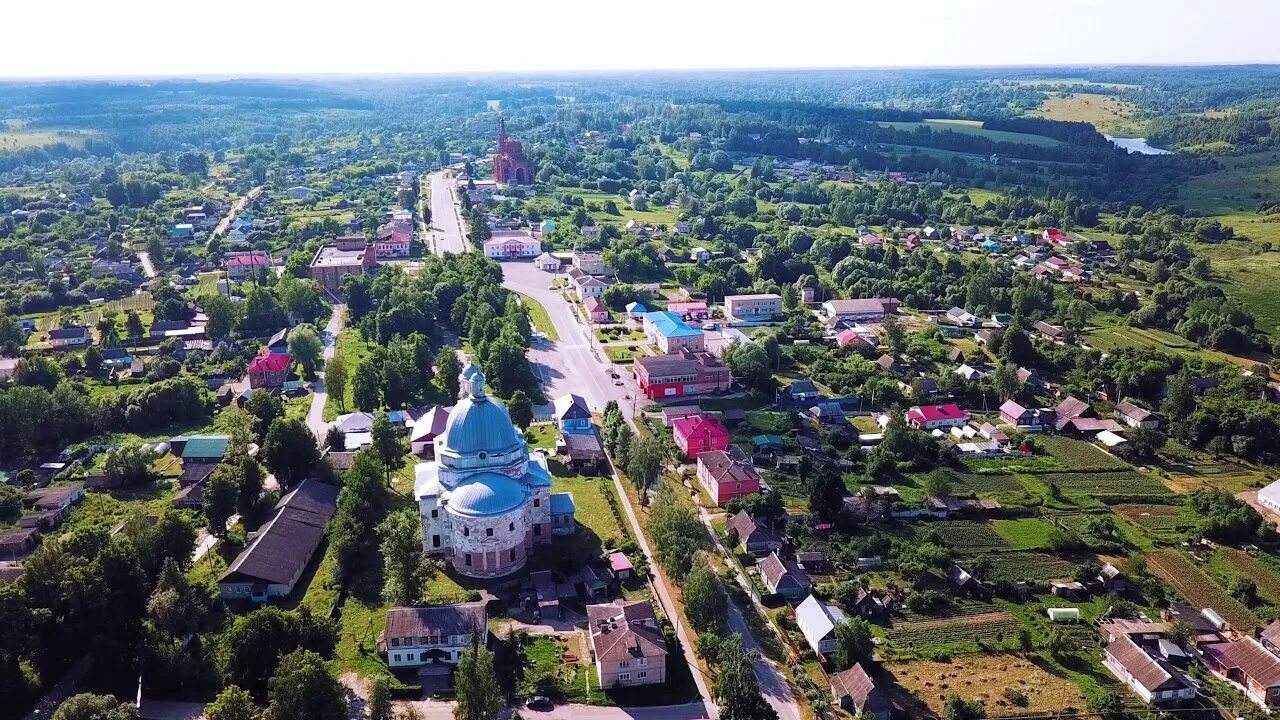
[
  {"x": 1106, "y": 113},
  {"x": 974, "y": 127}
]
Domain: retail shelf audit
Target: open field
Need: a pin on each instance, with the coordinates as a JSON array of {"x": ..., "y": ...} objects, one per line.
[
  {"x": 1106, "y": 113},
  {"x": 1103, "y": 486},
  {"x": 1262, "y": 570},
  {"x": 985, "y": 678},
  {"x": 15, "y": 136},
  {"x": 1248, "y": 275},
  {"x": 653, "y": 216},
  {"x": 968, "y": 535},
  {"x": 1243, "y": 181},
  {"x": 1180, "y": 571},
  {"x": 1024, "y": 533},
  {"x": 974, "y": 127}
]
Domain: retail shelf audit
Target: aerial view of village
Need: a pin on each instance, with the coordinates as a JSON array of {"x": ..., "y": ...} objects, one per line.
[{"x": 742, "y": 395}]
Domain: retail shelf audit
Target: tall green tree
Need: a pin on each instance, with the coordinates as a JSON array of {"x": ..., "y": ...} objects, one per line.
[
  {"x": 405, "y": 568},
  {"x": 521, "y": 409},
  {"x": 306, "y": 348},
  {"x": 478, "y": 696},
  {"x": 221, "y": 494},
  {"x": 335, "y": 380},
  {"x": 448, "y": 368},
  {"x": 388, "y": 444},
  {"x": 705, "y": 599},
  {"x": 645, "y": 464},
  {"x": 304, "y": 687},
  {"x": 365, "y": 392},
  {"x": 853, "y": 643},
  {"x": 88, "y": 706},
  {"x": 737, "y": 691},
  {"x": 290, "y": 451},
  {"x": 232, "y": 704}
]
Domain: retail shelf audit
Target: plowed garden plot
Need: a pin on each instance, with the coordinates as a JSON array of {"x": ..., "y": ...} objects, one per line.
[
  {"x": 1030, "y": 566},
  {"x": 1182, "y": 573},
  {"x": 983, "y": 484},
  {"x": 963, "y": 535},
  {"x": 1104, "y": 485},
  {"x": 954, "y": 635},
  {"x": 1266, "y": 575}
]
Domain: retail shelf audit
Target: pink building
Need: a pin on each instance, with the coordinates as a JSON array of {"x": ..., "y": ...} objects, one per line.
[
  {"x": 727, "y": 474},
  {"x": 698, "y": 434}
]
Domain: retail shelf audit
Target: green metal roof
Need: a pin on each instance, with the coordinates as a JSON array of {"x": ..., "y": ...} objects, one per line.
[{"x": 205, "y": 446}]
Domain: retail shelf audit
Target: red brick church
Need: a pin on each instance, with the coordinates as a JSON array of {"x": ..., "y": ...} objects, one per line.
[{"x": 509, "y": 164}]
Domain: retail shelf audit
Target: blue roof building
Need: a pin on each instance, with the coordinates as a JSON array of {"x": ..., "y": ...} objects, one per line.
[
  {"x": 636, "y": 310},
  {"x": 671, "y": 334}
]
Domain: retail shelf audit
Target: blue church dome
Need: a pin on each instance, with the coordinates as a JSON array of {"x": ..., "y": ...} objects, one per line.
[
  {"x": 478, "y": 424},
  {"x": 486, "y": 494}
]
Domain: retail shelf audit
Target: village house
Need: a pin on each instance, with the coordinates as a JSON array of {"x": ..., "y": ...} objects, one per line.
[
  {"x": 1247, "y": 663},
  {"x": 18, "y": 544},
  {"x": 596, "y": 310},
  {"x": 276, "y": 554},
  {"x": 243, "y": 265},
  {"x": 764, "y": 306},
  {"x": 693, "y": 310},
  {"x": 930, "y": 417},
  {"x": 855, "y": 691},
  {"x": 1025, "y": 418},
  {"x": 861, "y": 309},
  {"x": 784, "y": 577},
  {"x": 1052, "y": 333},
  {"x": 426, "y": 429},
  {"x": 69, "y": 337},
  {"x": 586, "y": 286},
  {"x": 753, "y": 535},
  {"x": 1269, "y": 497},
  {"x": 800, "y": 392},
  {"x": 269, "y": 369},
  {"x": 696, "y": 434},
  {"x": 688, "y": 373},
  {"x": 963, "y": 318},
  {"x": 417, "y": 636},
  {"x": 727, "y": 474},
  {"x": 1135, "y": 416},
  {"x": 590, "y": 263},
  {"x": 817, "y": 622},
  {"x": 629, "y": 648},
  {"x": 1146, "y": 672},
  {"x": 572, "y": 414}
]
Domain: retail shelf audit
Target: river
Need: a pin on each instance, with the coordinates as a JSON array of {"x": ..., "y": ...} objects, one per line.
[{"x": 1137, "y": 145}]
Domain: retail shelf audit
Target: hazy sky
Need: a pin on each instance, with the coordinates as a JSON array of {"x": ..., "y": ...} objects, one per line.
[{"x": 182, "y": 37}]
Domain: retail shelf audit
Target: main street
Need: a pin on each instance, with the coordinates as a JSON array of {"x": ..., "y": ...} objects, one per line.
[{"x": 446, "y": 217}]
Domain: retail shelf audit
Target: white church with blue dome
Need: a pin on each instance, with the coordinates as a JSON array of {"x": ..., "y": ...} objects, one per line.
[{"x": 485, "y": 500}]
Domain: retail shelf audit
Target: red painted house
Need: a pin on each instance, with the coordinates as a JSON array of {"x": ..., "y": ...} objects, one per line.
[
  {"x": 269, "y": 370},
  {"x": 727, "y": 474},
  {"x": 698, "y": 434},
  {"x": 929, "y": 417}
]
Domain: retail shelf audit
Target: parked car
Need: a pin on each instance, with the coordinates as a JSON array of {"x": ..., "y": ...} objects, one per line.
[{"x": 538, "y": 702}]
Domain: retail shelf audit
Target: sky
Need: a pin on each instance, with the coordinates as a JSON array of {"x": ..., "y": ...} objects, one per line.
[{"x": 74, "y": 38}]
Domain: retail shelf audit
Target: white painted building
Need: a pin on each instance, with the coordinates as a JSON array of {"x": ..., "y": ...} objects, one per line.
[
  {"x": 417, "y": 636},
  {"x": 512, "y": 244}
]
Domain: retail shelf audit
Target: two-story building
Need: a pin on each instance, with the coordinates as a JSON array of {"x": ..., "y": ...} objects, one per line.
[
  {"x": 417, "y": 636},
  {"x": 671, "y": 334},
  {"x": 269, "y": 369},
  {"x": 762, "y": 306},
  {"x": 348, "y": 255},
  {"x": 628, "y": 646},
  {"x": 727, "y": 474},
  {"x": 696, "y": 434},
  {"x": 688, "y": 373}
]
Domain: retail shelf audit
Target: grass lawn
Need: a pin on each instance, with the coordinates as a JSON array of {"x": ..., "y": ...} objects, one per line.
[
  {"x": 1024, "y": 533},
  {"x": 353, "y": 349},
  {"x": 974, "y": 127},
  {"x": 14, "y": 138},
  {"x": 623, "y": 353},
  {"x": 538, "y": 314},
  {"x": 986, "y": 678},
  {"x": 542, "y": 436},
  {"x": 592, "y": 507},
  {"x": 547, "y": 673},
  {"x": 652, "y": 216}
]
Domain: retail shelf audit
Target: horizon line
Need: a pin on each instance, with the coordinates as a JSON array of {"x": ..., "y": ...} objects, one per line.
[{"x": 284, "y": 75}]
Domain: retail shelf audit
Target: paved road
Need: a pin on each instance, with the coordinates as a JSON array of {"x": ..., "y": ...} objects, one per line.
[
  {"x": 144, "y": 257},
  {"x": 315, "y": 415},
  {"x": 235, "y": 210},
  {"x": 574, "y": 363},
  {"x": 446, "y": 234}
]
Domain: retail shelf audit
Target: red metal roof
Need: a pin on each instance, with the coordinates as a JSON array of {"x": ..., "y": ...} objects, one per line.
[
  {"x": 269, "y": 362},
  {"x": 932, "y": 413}
]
